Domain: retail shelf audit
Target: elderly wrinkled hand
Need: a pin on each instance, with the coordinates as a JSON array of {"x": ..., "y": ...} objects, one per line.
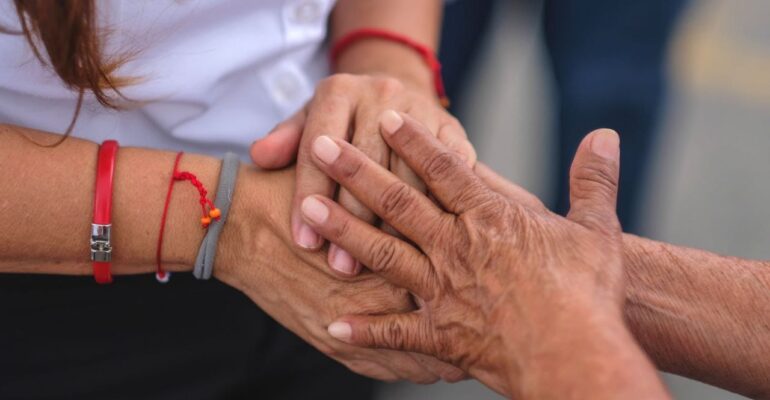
[
  {"x": 491, "y": 273},
  {"x": 346, "y": 107}
]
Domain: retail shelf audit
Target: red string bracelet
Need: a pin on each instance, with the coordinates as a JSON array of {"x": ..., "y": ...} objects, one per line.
[
  {"x": 212, "y": 213},
  {"x": 427, "y": 54}
]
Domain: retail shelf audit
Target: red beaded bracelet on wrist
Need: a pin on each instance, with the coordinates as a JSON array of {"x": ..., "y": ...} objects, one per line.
[
  {"x": 427, "y": 54},
  {"x": 212, "y": 213}
]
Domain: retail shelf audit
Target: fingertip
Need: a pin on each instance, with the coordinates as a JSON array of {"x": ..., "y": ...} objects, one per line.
[
  {"x": 314, "y": 210},
  {"x": 341, "y": 330},
  {"x": 276, "y": 150},
  {"x": 342, "y": 262},
  {"x": 391, "y": 121},
  {"x": 606, "y": 144},
  {"x": 304, "y": 235}
]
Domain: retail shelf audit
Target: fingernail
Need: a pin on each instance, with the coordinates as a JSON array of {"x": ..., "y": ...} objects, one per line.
[
  {"x": 325, "y": 149},
  {"x": 315, "y": 210},
  {"x": 307, "y": 237},
  {"x": 340, "y": 330},
  {"x": 606, "y": 144},
  {"x": 391, "y": 121},
  {"x": 342, "y": 261}
]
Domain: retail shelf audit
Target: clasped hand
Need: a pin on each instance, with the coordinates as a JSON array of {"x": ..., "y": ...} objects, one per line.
[{"x": 491, "y": 270}]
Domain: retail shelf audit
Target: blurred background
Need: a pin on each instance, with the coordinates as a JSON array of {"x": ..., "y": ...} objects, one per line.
[{"x": 687, "y": 85}]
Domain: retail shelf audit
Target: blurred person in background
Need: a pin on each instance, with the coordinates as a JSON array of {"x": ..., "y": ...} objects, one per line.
[{"x": 608, "y": 60}]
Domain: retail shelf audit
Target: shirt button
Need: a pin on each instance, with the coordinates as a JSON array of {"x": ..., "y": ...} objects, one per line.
[
  {"x": 286, "y": 88},
  {"x": 307, "y": 12}
]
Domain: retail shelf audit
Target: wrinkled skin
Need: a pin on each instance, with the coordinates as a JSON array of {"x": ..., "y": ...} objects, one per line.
[
  {"x": 347, "y": 107},
  {"x": 490, "y": 271},
  {"x": 293, "y": 287}
]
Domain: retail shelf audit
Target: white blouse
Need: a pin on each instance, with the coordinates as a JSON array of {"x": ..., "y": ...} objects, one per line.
[{"x": 211, "y": 75}]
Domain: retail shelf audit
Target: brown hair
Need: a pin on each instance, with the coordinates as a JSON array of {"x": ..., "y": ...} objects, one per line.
[{"x": 68, "y": 31}]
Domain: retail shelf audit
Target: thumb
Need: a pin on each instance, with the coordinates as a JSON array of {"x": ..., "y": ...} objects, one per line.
[
  {"x": 594, "y": 180},
  {"x": 279, "y": 148},
  {"x": 395, "y": 331}
]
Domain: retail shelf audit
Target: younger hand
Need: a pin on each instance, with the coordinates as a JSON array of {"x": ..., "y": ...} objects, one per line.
[{"x": 347, "y": 107}]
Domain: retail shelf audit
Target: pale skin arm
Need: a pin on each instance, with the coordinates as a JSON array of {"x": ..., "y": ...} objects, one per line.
[{"x": 701, "y": 315}]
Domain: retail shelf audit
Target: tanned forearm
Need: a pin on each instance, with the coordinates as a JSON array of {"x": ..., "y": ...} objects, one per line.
[
  {"x": 585, "y": 339},
  {"x": 419, "y": 20},
  {"x": 46, "y": 207},
  {"x": 701, "y": 315}
]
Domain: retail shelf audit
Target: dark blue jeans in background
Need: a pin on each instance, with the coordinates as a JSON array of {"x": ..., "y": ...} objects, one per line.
[{"x": 608, "y": 60}]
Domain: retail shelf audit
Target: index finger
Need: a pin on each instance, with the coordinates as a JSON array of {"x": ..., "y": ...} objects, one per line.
[
  {"x": 446, "y": 174},
  {"x": 396, "y": 202},
  {"x": 393, "y": 259},
  {"x": 328, "y": 115}
]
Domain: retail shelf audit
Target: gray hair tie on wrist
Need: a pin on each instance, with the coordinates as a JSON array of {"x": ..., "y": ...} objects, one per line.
[{"x": 204, "y": 262}]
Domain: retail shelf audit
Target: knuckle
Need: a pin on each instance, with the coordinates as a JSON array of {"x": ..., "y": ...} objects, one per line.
[
  {"x": 372, "y": 145},
  {"x": 453, "y": 127},
  {"x": 454, "y": 375},
  {"x": 331, "y": 350},
  {"x": 397, "y": 199},
  {"x": 330, "y": 103},
  {"x": 336, "y": 83},
  {"x": 387, "y": 87},
  {"x": 600, "y": 221},
  {"x": 350, "y": 170},
  {"x": 393, "y": 336},
  {"x": 483, "y": 200},
  {"x": 384, "y": 253},
  {"x": 340, "y": 229},
  {"x": 441, "y": 166}
]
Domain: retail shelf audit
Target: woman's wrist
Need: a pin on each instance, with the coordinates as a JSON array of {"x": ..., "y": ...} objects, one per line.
[
  {"x": 232, "y": 252},
  {"x": 58, "y": 198},
  {"x": 383, "y": 58},
  {"x": 141, "y": 184},
  {"x": 258, "y": 200}
]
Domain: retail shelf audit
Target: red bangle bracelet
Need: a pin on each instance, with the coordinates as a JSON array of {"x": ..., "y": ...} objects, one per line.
[
  {"x": 101, "y": 246},
  {"x": 427, "y": 54}
]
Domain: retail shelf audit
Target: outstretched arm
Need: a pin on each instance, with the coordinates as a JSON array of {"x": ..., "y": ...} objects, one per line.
[
  {"x": 46, "y": 206},
  {"x": 526, "y": 301},
  {"x": 696, "y": 314},
  {"x": 701, "y": 315}
]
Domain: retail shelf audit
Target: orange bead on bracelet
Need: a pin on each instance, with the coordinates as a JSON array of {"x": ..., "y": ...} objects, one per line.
[{"x": 213, "y": 213}]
